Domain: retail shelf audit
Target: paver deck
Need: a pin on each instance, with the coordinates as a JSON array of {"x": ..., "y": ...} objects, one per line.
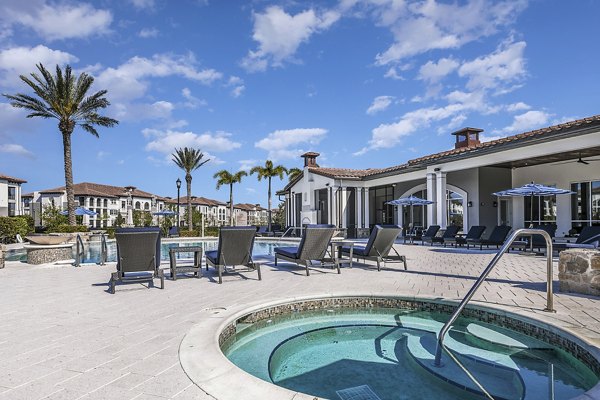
[{"x": 63, "y": 336}]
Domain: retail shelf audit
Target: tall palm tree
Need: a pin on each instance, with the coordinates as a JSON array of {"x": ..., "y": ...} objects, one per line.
[
  {"x": 225, "y": 177},
  {"x": 65, "y": 98},
  {"x": 269, "y": 171},
  {"x": 293, "y": 173},
  {"x": 189, "y": 159}
]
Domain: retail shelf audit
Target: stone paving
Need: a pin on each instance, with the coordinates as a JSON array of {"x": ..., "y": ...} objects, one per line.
[{"x": 63, "y": 336}]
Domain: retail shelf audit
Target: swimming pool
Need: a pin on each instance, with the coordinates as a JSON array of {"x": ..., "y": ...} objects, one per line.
[
  {"x": 92, "y": 249},
  {"x": 387, "y": 353}
]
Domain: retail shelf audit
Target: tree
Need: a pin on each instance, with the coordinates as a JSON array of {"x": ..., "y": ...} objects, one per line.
[
  {"x": 293, "y": 173},
  {"x": 65, "y": 98},
  {"x": 189, "y": 159},
  {"x": 225, "y": 177},
  {"x": 269, "y": 171}
]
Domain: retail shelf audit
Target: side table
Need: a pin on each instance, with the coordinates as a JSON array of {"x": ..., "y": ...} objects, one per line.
[{"x": 195, "y": 268}]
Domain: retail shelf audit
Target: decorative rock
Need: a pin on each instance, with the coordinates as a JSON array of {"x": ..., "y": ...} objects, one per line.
[
  {"x": 37, "y": 254},
  {"x": 2, "y": 252},
  {"x": 579, "y": 271}
]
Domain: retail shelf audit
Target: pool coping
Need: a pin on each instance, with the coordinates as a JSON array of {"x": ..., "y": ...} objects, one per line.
[{"x": 205, "y": 364}]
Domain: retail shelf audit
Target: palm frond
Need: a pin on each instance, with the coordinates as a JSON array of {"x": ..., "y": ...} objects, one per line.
[{"x": 189, "y": 159}]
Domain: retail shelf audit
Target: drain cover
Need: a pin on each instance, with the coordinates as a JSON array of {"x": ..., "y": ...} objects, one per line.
[{"x": 362, "y": 392}]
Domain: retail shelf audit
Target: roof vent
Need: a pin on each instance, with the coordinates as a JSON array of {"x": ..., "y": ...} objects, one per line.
[
  {"x": 467, "y": 137},
  {"x": 310, "y": 159}
]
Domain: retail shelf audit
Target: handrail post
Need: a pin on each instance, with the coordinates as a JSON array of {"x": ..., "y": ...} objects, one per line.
[
  {"x": 79, "y": 251},
  {"x": 484, "y": 275},
  {"x": 103, "y": 250}
]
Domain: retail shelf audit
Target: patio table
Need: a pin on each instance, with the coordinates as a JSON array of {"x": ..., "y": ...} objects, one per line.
[{"x": 195, "y": 268}]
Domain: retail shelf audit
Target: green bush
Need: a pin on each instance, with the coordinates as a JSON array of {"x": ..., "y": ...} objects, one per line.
[
  {"x": 110, "y": 232},
  {"x": 70, "y": 228},
  {"x": 211, "y": 231},
  {"x": 11, "y": 226},
  {"x": 186, "y": 233}
]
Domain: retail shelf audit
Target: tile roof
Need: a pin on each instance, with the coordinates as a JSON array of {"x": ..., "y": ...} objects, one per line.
[
  {"x": 249, "y": 207},
  {"x": 12, "y": 179},
  {"x": 196, "y": 200},
  {"x": 96, "y": 189}
]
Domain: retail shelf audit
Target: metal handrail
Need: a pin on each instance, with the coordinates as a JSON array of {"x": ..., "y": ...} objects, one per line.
[
  {"x": 79, "y": 252},
  {"x": 103, "y": 250},
  {"x": 484, "y": 275}
]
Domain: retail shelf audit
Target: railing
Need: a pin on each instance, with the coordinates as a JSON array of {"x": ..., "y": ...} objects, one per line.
[
  {"x": 103, "y": 250},
  {"x": 484, "y": 275},
  {"x": 79, "y": 252}
]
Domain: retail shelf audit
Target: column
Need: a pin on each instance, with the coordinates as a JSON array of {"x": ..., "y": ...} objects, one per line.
[
  {"x": 292, "y": 210},
  {"x": 358, "y": 208},
  {"x": 431, "y": 196},
  {"x": 333, "y": 199},
  {"x": 366, "y": 208},
  {"x": 343, "y": 207},
  {"x": 441, "y": 203}
]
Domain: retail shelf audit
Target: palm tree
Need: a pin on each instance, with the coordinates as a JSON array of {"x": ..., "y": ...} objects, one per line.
[
  {"x": 225, "y": 177},
  {"x": 64, "y": 97},
  {"x": 189, "y": 159},
  {"x": 293, "y": 173},
  {"x": 269, "y": 171}
]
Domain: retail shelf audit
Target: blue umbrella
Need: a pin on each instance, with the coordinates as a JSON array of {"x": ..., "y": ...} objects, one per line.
[
  {"x": 532, "y": 189},
  {"x": 165, "y": 213},
  {"x": 80, "y": 211},
  {"x": 410, "y": 201}
]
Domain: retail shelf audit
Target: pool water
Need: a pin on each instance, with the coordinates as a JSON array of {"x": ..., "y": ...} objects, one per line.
[
  {"x": 388, "y": 354},
  {"x": 92, "y": 250}
]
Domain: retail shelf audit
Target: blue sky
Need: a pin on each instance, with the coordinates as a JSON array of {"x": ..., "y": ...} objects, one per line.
[{"x": 366, "y": 83}]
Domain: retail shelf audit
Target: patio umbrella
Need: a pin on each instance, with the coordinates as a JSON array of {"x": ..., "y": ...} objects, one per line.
[
  {"x": 80, "y": 211},
  {"x": 531, "y": 190},
  {"x": 165, "y": 213},
  {"x": 410, "y": 201}
]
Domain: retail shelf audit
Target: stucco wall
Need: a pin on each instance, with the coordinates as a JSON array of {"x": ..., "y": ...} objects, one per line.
[{"x": 491, "y": 180}]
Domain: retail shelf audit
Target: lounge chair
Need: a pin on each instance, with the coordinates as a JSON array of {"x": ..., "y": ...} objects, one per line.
[
  {"x": 430, "y": 233},
  {"x": 449, "y": 233},
  {"x": 537, "y": 241},
  {"x": 173, "y": 231},
  {"x": 589, "y": 238},
  {"x": 235, "y": 249},
  {"x": 144, "y": 229},
  {"x": 474, "y": 234},
  {"x": 497, "y": 238},
  {"x": 263, "y": 231},
  {"x": 313, "y": 247},
  {"x": 137, "y": 259},
  {"x": 378, "y": 247}
]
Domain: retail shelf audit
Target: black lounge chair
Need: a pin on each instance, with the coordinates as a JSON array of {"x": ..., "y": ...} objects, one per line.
[
  {"x": 235, "y": 249},
  {"x": 137, "y": 259},
  {"x": 313, "y": 247},
  {"x": 449, "y": 233},
  {"x": 474, "y": 234},
  {"x": 263, "y": 231},
  {"x": 173, "y": 231},
  {"x": 378, "y": 247},
  {"x": 497, "y": 238},
  {"x": 430, "y": 233},
  {"x": 537, "y": 241},
  {"x": 144, "y": 229},
  {"x": 589, "y": 238}
]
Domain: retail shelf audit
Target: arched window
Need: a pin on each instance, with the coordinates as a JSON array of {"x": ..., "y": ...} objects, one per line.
[
  {"x": 138, "y": 206},
  {"x": 146, "y": 206}
]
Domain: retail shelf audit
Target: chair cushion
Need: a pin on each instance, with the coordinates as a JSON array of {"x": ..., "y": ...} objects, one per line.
[
  {"x": 291, "y": 252},
  {"x": 212, "y": 256},
  {"x": 358, "y": 250}
]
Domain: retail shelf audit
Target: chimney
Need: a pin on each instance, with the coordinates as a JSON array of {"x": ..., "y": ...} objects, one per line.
[
  {"x": 467, "y": 137},
  {"x": 310, "y": 159}
]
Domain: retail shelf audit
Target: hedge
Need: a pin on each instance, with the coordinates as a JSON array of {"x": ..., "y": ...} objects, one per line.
[
  {"x": 70, "y": 229},
  {"x": 11, "y": 226}
]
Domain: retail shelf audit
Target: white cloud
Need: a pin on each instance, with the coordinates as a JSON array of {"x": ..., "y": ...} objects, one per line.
[
  {"x": 503, "y": 67},
  {"x": 279, "y": 35},
  {"x": 419, "y": 27},
  {"x": 16, "y": 149},
  {"x": 192, "y": 101},
  {"x": 283, "y": 144},
  {"x": 148, "y": 33},
  {"x": 237, "y": 85},
  {"x": 17, "y": 61},
  {"x": 528, "y": 121},
  {"x": 167, "y": 141},
  {"x": 433, "y": 72},
  {"x": 101, "y": 155},
  {"x": 380, "y": 103},
  {"x": 520, "y": 106},
  {"x": 14, "y": 122},
  {"x": 144, "y": 4},
  {"x": 139, "y": 111},
  {"x": 246, "y": 165},
  {"x": 393, "y": 74},
  {"x": 57, "y": 20}
]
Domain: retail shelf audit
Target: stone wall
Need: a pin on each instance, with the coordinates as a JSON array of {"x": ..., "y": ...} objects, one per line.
[
  {"x": 2, "y": 252},
  {"x": 579, "y": 271}
]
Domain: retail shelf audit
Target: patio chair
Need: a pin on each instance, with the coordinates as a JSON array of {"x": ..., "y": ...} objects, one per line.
[
  {"x": 537, "y": 241},
  {"x": 378, "y": 247},
  {"x": 144, "y": 229},
  {"x": 263, "y": 231},
  {"x": 589, "y": 238},
  {"x": 235, "y": 249},
  {"x": 449, "y": 233},
  {"x": 474, "y": 234},
  {"x": 430, "y": 233},
  {"x": 173, "y": 231},
  {"x": 497, "y": 238},
  {"x": 136, "y": 260},
  {"x": 313, "y": 247}
]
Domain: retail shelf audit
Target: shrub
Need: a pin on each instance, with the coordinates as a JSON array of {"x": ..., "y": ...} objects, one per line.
[
  {"x": 70, "y": 228},
  {"x": 186, "y": 233},
  {"x": 11, "y": 226},
  {"x": 110, "y": 232},
  {"x": 211, "y": 231}
]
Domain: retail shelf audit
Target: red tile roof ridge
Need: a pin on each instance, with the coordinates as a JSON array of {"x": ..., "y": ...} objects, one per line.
[{"x": 12, "y": 179}]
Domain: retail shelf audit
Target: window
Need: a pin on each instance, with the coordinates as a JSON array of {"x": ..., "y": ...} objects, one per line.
[
  {"x": 105, "y": 203},
  {"x": 146, "y": 206},
  {"x": 12, "y": 191},
  {"x": 381, "y": 213},
  {"x": 11, "y": 209},
  {"x": 415, "y": 214},
  {"x": 137, "y": 205},
  {"x": 544, "y": 210},
  {"x": 113, "y": 202},
  {"x": 585, "y": 204},
  {"x": 82, "y": 201},
  {"x": 123, "y": 205},
  {"x": 455, "y": 208}
]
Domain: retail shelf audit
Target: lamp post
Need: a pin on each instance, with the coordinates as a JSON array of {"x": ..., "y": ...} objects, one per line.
[{"x": 178, "y": 183}]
